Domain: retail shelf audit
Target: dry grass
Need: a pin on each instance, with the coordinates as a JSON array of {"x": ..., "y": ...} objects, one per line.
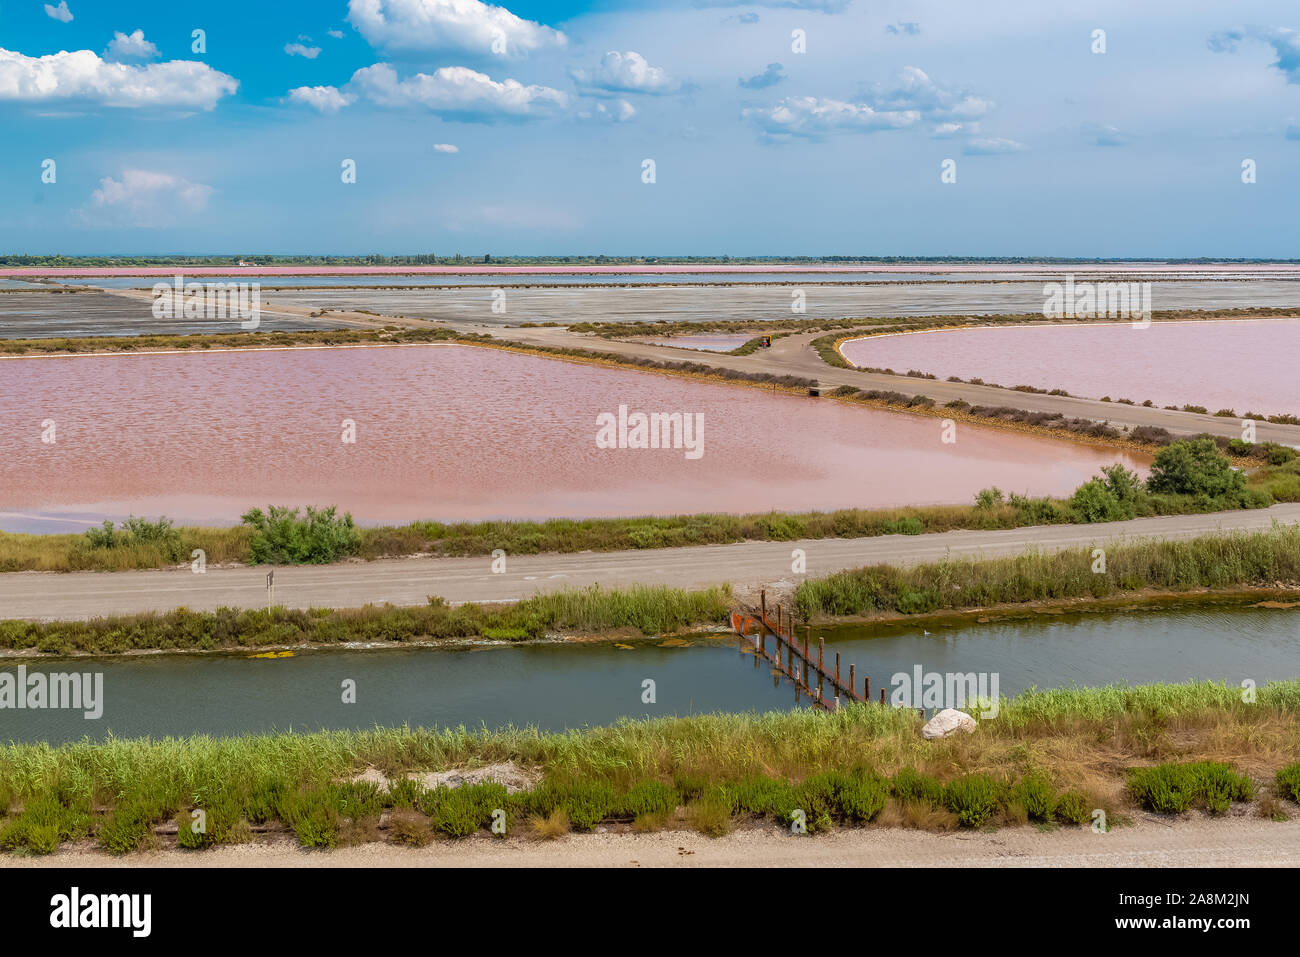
[{"x": 554, "y": 825}]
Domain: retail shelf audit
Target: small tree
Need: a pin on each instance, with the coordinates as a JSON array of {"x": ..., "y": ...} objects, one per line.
[{"x": 1195, "y": 467}]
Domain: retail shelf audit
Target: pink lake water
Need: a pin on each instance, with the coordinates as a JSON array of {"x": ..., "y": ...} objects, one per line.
[
  {"x": 1240, "y": 364},
  {"x": 458, "y": 432}
]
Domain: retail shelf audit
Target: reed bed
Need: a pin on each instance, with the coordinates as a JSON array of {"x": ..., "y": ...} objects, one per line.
[
  {"x": 1050, "y": 757},
  {"x": 1238, "y": 559}
]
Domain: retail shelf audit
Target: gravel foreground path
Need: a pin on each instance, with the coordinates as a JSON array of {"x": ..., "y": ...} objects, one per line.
[{"x": 1150, "y": 842}]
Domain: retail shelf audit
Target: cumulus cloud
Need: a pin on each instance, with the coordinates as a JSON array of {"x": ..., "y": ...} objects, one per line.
[
  {"x": 912, "y": 98},
  {"x": 445, "y": 148},
  {"x": 83, "y": 75},
  {"x": 467, "y": 26},
  {"x": 457, "y": 92},
  {"x": 298, "y": 49},
  {"x": 761, "y": 81},
  {"x": 336, "y": 34},
  {"x": 991, "y": 146},
  {"x": 913, "y": 90},
  {"x": 131, "y": 46},
  {"x": 60, "y": 13},
  {"x": 145, "y": 198},
  {"x": 624, "y": 73},
  {"x": 1285, "y": 44},
  {"x": 812, "y": 116},
  {"x": 325, "y": 99}
]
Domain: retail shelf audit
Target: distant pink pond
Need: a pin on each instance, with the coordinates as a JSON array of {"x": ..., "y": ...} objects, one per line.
[
  {"x": 1239, "y": 364},
  {"x": 458, "y": 432}
]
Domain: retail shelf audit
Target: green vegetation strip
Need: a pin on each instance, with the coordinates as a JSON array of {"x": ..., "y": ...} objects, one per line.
[
  {"x": 1239, "y": 559},
  {"x": 1036, "y": 761},
  {"x": 648, "y": 609}
]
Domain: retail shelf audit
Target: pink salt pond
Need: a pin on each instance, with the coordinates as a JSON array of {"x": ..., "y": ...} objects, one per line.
[
  {"x": 458, "y": 432},
  {"x": 1247, "y": 365}
]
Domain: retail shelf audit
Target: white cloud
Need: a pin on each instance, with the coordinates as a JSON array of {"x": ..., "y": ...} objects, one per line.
[
  {"x": 910, "y": 99},
  {"x": 617, "y": 111},
  {"x": 60, "y": 13},
  {"x": 468, "y": 26},
  {"x": 336, "y": 34},
  {"x": 297, "y": 49},
  {"x": 991, "y": 145},
  {"x": 145, "y": 198},
  {"x": 815, "y": 116},
  {"x": 1284, "y": 41},
  {"x": 326, "y": 99},
  {"x": 124, "y": 47},
  {"x": 84, "y": 75},
  {"x": 914, "y": 90},
  {"x": 445, "y": 148},
  {"x": 625, "y": 73},
  {"x": 458, "y": 92}
]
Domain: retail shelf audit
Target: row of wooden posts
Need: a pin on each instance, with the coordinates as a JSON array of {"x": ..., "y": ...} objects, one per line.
[{"x": 786, "y": 648}]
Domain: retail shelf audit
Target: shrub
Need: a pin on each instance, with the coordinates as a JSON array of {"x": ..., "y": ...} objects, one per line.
[
  {"x": 646, "y": 797},
  {"x": 974, "y": 798},
  {"x": 988, "y": 497},
  {"x": 1288, "y": 781},
  {"x": 281, "y": 537},
  {"x": 1073, "y": 808},
  {"x": 160, "y": 535},
  {"x": 1037, "y": 796},
  {"x": 911, "y": 785},
  {"x": 1195, "y": 467},
  {"x": 459, "y": 812},
  {"x": 1173, "y": 788}
]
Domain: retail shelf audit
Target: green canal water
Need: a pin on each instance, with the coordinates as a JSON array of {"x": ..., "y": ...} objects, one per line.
[{"x": 557, "y": 686}]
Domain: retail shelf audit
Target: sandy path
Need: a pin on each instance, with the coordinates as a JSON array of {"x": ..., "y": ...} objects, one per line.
[{"x": 1197, "y": 842}]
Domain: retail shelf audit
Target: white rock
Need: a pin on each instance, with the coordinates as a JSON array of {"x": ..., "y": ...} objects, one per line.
[{"x": 947, "y": 722}]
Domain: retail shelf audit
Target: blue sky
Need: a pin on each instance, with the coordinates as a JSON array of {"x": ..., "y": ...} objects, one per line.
[{"x": 523, "y": 129}]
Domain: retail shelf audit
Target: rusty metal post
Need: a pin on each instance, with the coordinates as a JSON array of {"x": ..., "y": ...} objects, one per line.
[
  {"x": 853, "y": 683},
  {"x": 866, "y": 687},
  {"x": 882, "y": 695},
  {"x": 762, "y": 597},
  {"x": 821, "y": 650}
]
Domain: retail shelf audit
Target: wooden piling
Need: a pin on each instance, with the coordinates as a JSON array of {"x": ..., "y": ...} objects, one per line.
[
  {"x": 853, "y": 682},
  {"x": 821, "y": 673},
  {"x": 866, "y": 687},
  {"x": 882, "y": 695}
]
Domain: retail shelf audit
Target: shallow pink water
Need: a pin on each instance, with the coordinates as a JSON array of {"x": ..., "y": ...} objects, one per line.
[
  {"x": 454, "y": 432},
  {"x": 1240, "y": 364}
]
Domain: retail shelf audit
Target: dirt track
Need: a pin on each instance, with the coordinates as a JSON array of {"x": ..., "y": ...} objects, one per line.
[{"x": 1151, "y": 842}]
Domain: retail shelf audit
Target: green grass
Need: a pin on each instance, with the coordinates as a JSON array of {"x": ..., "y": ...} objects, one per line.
[
  {"x": 1237, "y": 559},
  {"x": 649, "y": 609},
  {"x": 1036, "y": 760}
]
